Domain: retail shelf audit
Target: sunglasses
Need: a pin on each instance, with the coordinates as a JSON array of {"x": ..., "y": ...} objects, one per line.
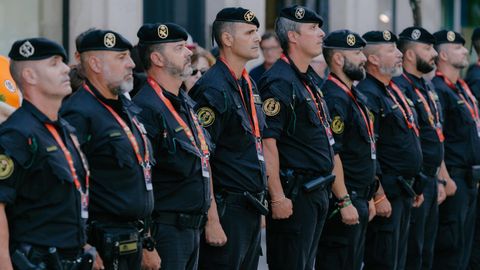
[{"x": 195, "y": 71}]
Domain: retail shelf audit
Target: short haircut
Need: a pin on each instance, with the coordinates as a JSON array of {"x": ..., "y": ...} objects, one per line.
[
  {"x": 403, "y": 45},
  {"x": 16, "y": 68},
  {"x": 144, "y": 52},
  {"x": 328, "y": 55},
  {"x": 282, "y": 27},
  {"x": 218, "y": 28}
]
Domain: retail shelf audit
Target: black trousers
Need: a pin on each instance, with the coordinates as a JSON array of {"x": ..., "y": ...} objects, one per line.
[
  {"x": 456, "y": 227},
  {"x": 386, "y": 241},
  {"x": 292, "y": 243},
  {"x": 178, "y": 247},
  {"x": 475, "y": 255},
  {"x": 342, "y": 246},
  {"x": 423, "y": 229},
  {"x": 241, "y": 224}
]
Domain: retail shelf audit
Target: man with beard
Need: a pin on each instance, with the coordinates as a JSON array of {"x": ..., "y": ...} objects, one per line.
[
  {"x": 473, "y": 74},
  {"x": 118, "y": 150},
  {"x": 462, "y": 141},
  {"x": 398, "y": 151},
  {"x": 343, "y": 238},
  {"x": 418, "y": 60},
  {"x": 229, "y": 107},
  {"x": 181, "y": 175},
  {"x": 298, "y": 144}
]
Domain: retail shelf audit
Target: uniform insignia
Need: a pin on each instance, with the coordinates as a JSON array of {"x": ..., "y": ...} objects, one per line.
[
  {"x": 6, "y": 167},
  {"x": 351, "y": 40},
  {"x": 451, "y": 36},
  {"x": 299, "y": 13},
  {"x": 162, "y": 31},
  {"x": 27, "y": 49},
  {"x": 338, "y": 126},
  {"x": 271, "y": 107},
  {"x": 178, "y": 129},
  {"x": 416, "y": 34},
  {"x": 206, "y": 116},
  {"x": 371, "y": 115},
  {"x": 386, "y": 35},
  {"x": 419, "y": 100},
  {"x": 9, "y": 85},
  {"x": 460, "y": 102},
  {"x": 52, "y": 148},
  {"x": 109, "y": 40},
  {"x": 115, "y": 134},
  {"x": 249, "y": 16},
  {"x": 410, "y": 102},
  {"x": 394, "y": 107},
  {"x": 257, "y": 99}
]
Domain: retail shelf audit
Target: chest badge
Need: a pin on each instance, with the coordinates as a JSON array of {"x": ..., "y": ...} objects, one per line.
[{"x": 271, "y": 107}]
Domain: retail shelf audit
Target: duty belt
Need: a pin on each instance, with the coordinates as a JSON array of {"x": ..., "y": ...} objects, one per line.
[{"x": 181, "y": 220}]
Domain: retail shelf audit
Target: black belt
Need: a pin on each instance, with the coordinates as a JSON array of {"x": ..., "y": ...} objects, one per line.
[
  {"x": 430, "y": 171},
  {"x": 361, "y": 193},
  {"x": 181, "y": 220}
]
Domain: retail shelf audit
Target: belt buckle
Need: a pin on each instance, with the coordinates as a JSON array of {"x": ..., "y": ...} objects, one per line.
[{"x": 183, "y": 220}]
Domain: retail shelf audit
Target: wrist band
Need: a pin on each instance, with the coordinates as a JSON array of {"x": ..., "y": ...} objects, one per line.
[{"x": 380, "y": 200}]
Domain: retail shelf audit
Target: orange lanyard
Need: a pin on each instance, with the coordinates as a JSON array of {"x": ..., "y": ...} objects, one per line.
[
  {"x": 203, "y": 143},
  {"x": 368, "y": 122},
  {"x": 435, "y": 124},
  {"x": 253, "y": 118},
  {"x": 472, "y": 108},
  {"x": 133, "y": 141},
  {"x": 323, "y": 118},
  {"x": 408, "y": 115},
  {"x": 69, "y": 158}
]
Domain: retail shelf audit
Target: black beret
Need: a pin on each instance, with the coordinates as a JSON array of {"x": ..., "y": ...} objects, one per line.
[
  {"x": 152, "y": 33},
  {"x": 35, "y": 49},
  {"x": 103, "y": 40},
  {"x": 476, "y": 34},
  {"x": 445, "y": 36},
  {"x": 343, "y": 39},
  {"x": 417, "y": 34},
  {"x": 237, "y": 14},
  {"x": 377, "y": 37},
  {"x": 301, "y": 14}
]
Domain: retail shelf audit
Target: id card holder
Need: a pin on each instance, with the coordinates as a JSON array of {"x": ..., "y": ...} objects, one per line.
[
  {"x": 373, "y": 150},
  {"x": 84, "y": 205},
  {"x": 147, "y": 174}
]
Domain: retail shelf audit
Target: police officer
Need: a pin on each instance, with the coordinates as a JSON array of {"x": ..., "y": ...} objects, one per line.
[
  {"x": 462, "y": 141},
  {"x": 418, "y": 60},
  {"x": 297, "y": 142},
  {"x": 473, "y": 73},
  {"x": 399, "y": 153},
  {"x": 116, "y": 145},
  {"x": 473, "y": 80},
  {"x": 229, "y": 107},
  {"x": 44, "y": 175},
  {"x": 343, "y": 237},
  {"x": 181, "y": 175}
]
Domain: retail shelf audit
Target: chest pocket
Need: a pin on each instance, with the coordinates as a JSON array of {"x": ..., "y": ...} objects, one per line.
[
  {"x": 50, "y": 177},
  {"x": 359, "y": 121},
  {"x": 241, "y": 113},
  {"x": 121, "y": 148},
  {"x": 422, "y": 112},
  {"x": 462, "y": 113},
  {"x": 394, "y": 116},
  {"x": 174, "y": 138}
]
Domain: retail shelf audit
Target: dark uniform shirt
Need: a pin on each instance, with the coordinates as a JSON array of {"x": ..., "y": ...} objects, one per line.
[
  {"x": 352, "y": 141},
  {"x": 43, "y": 204},
  {"x": 399, "y": 152},
  {"x": 432, "y": 147},
  {"x": 292, "y": 119},
  {"x": 177, "y": 176},
  {"x": 473, "y": 79},
  {"x": 461, "y": 141},
  {"x": 117, "y": 190},
  {"x": 257, "y": 72},
  {"x": 235, "y": 164}
]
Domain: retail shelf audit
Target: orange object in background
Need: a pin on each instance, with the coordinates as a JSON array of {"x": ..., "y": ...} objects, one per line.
[{"x": 9, "y": 93}]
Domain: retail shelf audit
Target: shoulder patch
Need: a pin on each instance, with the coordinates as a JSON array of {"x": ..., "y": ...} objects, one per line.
[
  {"x": 338, "y": 126},
  {"x": 6, "y": 167},
  {"x": 271, "y": 107},
  {"x": 206, "y": 116}
]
